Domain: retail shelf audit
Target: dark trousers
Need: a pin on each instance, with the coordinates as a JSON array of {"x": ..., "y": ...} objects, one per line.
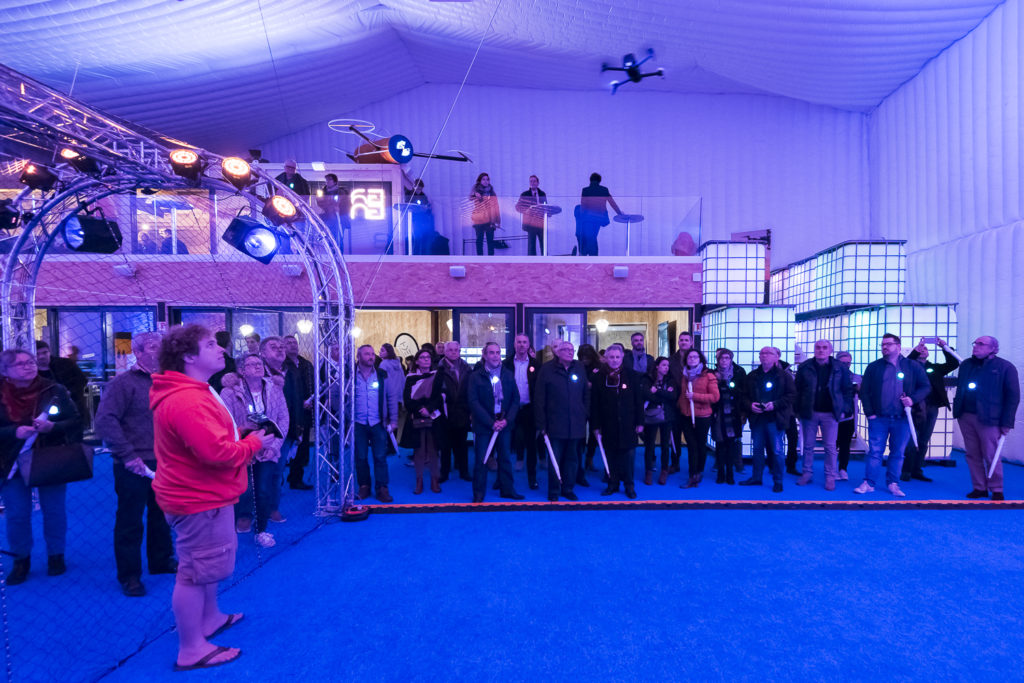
[
  {"x": 374, "y": 438},
  {"x": 524, "y": 439},
  {"x": 766, "y": 441},
  {"x": 844, "y": 439},
  {"x": 455, "y": 446},
  {"x": 534, "y": 241},
  {"x": 297, "y": 467},
  {"x": 728, "y": 455},
  {"x": 259, "y": 496},
  {"x": 484, "y": 230},
  {"x": 913, "y": 458},
  {"x": 620, "y": 462},
  {"x": 696, "y": 433},
  {"x": 792, "y": 436},
  {"x": 651, "y": 432},
  {"x": 677, "y": 439},
  {"x": 567, "y": 456},
  {"x": 503, "y": 452},
  {"x": 587, "y": 243},
  {"x": 135, "y": 501}
]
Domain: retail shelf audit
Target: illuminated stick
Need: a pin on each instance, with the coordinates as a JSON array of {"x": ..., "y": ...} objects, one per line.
[
  {"x": 551, "y": 455},
  {"x": 995, "y": 458},
  {"x": 490, "y": 447},
  {"x": 693, "y": 416},
  {"x": 604, "y": 458},
  {"x": 953, "y": 353},
  {"x": 391, "y": 434},
  {"x": 910, "y": 421}
]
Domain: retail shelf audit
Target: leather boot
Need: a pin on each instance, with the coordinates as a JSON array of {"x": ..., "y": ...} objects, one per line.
[
  {"x": 419, "y": 485},
  {"x": 19, "y": 572},
  {"x": 649, "y": 477},
  {"x": 434, "y": 485},
  {"x": 720, "y": 479},
  {"x": 55, "y": 565},
  {"x": 663, "y": 477},
  {"x": 728, "y": 475}
]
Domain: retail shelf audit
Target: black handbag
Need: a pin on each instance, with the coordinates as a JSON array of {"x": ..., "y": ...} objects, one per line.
[
  {"x": 58, "y": 464},
  {"x": 422, "y": 422}
]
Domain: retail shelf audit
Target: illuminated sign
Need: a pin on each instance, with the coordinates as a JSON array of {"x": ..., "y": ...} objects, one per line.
[{"x": 370, "y": 202}]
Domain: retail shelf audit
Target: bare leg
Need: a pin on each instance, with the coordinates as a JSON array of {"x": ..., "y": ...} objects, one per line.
[{"x": 189, "y": 604}]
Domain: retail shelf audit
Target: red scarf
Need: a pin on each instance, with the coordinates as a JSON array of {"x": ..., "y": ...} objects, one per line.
[{"x": 21, "y": 402}]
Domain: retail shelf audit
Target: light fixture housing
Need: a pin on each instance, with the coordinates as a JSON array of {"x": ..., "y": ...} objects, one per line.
[
  {"x": 38, "y": 177},
  {"x": 187, "y": 163},
  {"x": 252, "y": 238},
  {"x": 280, "y": 210},
  {"x": 80, "y": 162},
  {"x": 236, "y": 171},
  {"x": 9, "y": 215},
  {"x": 90, "y": 235}
]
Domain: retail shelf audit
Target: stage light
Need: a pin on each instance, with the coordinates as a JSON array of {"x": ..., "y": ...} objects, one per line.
[
  {"x": 186, "y": 163},
  {"x": 80, "y": 162},
  {"x": 252, "y": 238},
  {"x": 236, "y": 171},
  {"x": 246, "y": 329},
  {"x": 38, "y": 177},
  {"x": 601, "y": 325},
  {"x": 280, "y": 210},
  {"x": 356, "y": 332},
  {"x": 8, "y": 215},
  {"x": 305, "y": 326},
  {"x": 90, "y": 235}
]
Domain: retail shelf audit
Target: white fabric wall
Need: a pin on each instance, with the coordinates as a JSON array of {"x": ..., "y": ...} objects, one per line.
[
  {"x": 946, "y": 154},
  {"x": 755, "y": 161}
]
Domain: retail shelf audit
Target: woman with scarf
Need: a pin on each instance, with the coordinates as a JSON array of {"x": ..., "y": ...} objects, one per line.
[
  {"x": 257, "y": 395},
  {"x": 424, "y": 421},
  {"x": 392, "y": 367},
  {"x": 660, "y": 397},
  {"x": 728, "y": 418},
  {"x": 33, "y": 411},
  {"x": 699, "y": 391},
  {"x": 486, "y": 214}
]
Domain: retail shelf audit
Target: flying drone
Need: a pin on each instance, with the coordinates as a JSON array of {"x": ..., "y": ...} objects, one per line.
[
  {"x": 396, "y": 149},
  {"x": 631, "y": 68}
]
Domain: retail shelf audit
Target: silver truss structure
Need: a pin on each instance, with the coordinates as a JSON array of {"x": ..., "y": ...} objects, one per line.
[{"x": 36, "y": 122}]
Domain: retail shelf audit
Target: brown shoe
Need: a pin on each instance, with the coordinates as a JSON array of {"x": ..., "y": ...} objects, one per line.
[
  {"x": 663, "y": 477},
  {"x": 649, "y": 477},
  {"x": 363, "y": 493},
  {"x": 419, "y": 485},
  {"x": 383, "y": 495},
  {"x": 434, "y": 486}
]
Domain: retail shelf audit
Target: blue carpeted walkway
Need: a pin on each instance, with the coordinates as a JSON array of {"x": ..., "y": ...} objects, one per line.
[{"x": 632, "y": 595}]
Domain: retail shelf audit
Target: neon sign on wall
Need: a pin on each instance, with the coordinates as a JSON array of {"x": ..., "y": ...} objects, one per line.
[{"x": 372, "y": 203}]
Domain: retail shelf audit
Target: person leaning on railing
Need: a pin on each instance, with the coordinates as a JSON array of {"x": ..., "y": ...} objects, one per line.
[{"x": 34, "y": 411}]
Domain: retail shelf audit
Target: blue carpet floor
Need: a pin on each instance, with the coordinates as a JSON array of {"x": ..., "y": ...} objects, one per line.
[{"x": 632, "y": 595}]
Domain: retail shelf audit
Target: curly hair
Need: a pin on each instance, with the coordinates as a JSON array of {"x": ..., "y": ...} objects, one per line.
[{"x": 178, "y": 343}]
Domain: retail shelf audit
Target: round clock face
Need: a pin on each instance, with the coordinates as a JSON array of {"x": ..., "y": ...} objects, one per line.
[{"x": 405, "y": 345}]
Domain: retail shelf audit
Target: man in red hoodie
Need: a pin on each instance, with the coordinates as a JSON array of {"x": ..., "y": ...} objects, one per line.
[{"x": 201, "y": 472}]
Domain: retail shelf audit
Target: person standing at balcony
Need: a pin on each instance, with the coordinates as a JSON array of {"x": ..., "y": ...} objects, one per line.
[
  {"x": 617, "y": 413},
  {"x": 891, "y": 384},
  {"x": 170, "y": 245},
  {"x": 486, "y": 214},
  {"x": 676, "y": 363},
  {"x": 533, "y": 217},
  {"x": 824, "y": 393},
  {"x": 334, "y": 204},
  {"x": 66, "y": 373},
  {"x": 927, "y": 412},
  {"x": 453, "y": 373},
  {"x": 728, "y": 416},
  {"x": 561, "y": 407},
  {"x": 524, "y": 436},
  {"x": 292, "y": 180},
  {"x": 493, "y": 399},
  {"x": 771, "y": 392},
  {"x": 697, "y": 396},
  {"x": 595, "y": 199},
  {"x": 985, "y": 406},
  {"x": 124, "y": 421}
]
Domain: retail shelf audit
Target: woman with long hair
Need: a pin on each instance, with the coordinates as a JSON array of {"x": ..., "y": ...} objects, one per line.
[
  {"x": 698, "y": 393},
  {"x": 486, "y": 215},
  {"x": 660, "y": 397},
  {"x": 727, "y": 418},
  {"x": 424, "y": 429}
]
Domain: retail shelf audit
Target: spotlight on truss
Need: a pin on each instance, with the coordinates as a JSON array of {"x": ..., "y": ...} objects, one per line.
[
  {"x": 186, "y": 163},
  {"x": 279, "y": 210},
  {"x": 236, "y": 171},
  {"x": 252, "y": 238},
  {"x": 90, "y": 235},
  {"x": 38, "y": 177},
  {"x": 80, "y": 162}
]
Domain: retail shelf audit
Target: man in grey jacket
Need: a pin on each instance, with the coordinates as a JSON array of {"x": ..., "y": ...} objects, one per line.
[{"x": 125, "y": 423}]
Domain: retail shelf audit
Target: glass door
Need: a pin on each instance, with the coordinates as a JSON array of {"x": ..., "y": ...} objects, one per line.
[
  {"x": 545, "y": 327},
  {"x": 474, "y": 327}
]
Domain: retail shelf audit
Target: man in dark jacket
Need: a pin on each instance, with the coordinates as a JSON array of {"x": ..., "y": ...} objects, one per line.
[
  {"x": 561, "y": 407},
  {"x": 304, "y": 370},
  {"x": 771, "y": 392},
  {"x": 65, "y": 372},
  {"x": 533, "y": 217},
  {"x": 453, "y": 372},
  {"x": 824, "y": 393},
  {"x": 272, "y": 350},
  {"x": 985, "y": 406},
  {"x": 376, "y": 413},
  {"x": 493, "y": 400},
  {"x": 125, "y": 423},
  {"x": 617, "y": 411},
  {"x": 639, "y": 360},
  {"x": 891, "y": 384},
  {"x": 927, "y": 412},
  {"x": 525, "y": 370},
  {"x": 676, "y": 363}
]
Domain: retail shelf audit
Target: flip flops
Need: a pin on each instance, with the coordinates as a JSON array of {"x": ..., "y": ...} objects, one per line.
[
  {"x": 228, "y": 623},
  {"x": 205, "y": 662}
]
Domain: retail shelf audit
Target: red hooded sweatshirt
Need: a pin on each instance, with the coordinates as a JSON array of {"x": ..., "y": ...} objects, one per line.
[{"x": 200, "y": 465}]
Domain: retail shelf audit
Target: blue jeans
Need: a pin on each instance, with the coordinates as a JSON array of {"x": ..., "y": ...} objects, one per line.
[
  {"x": 896, "y": 431},
  {"x": 766, "y": 435},
  {"x": 376, "y": 438},
  {"x": 502, "y": 451},
  {"x": 567, "y": 455},
  {"x": 18, "y": 498},
  {"x": 267, "y": 478}
]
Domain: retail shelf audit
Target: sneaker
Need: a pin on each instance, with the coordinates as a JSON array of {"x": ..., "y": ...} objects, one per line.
[
  {"x": 843, "y": 476},
  {"x": 243, "y": 525},
  {"x": 865, "y": 487},
  {"x": 998, "y": 495},
  {"x": 894, "y": 489},
  {"x": 265, "y": 540},
  {"x": 777, "y": 487},
  {"x": 364, "y": 492}
]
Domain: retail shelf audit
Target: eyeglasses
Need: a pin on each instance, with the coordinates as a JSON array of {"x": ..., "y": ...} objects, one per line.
[
  {"x": 981, "y": 343},
  {"x": 23, "y": 364}
]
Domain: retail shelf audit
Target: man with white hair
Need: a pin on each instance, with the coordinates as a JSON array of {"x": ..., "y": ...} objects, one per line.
[
  {"x": 985, "y": 406},
  {"x": 124, "y": 421},
  {"x": 824, "y": 392}
]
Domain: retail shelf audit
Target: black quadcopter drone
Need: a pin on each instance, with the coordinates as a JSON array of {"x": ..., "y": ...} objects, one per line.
[{"x": 631, "y": 67}]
